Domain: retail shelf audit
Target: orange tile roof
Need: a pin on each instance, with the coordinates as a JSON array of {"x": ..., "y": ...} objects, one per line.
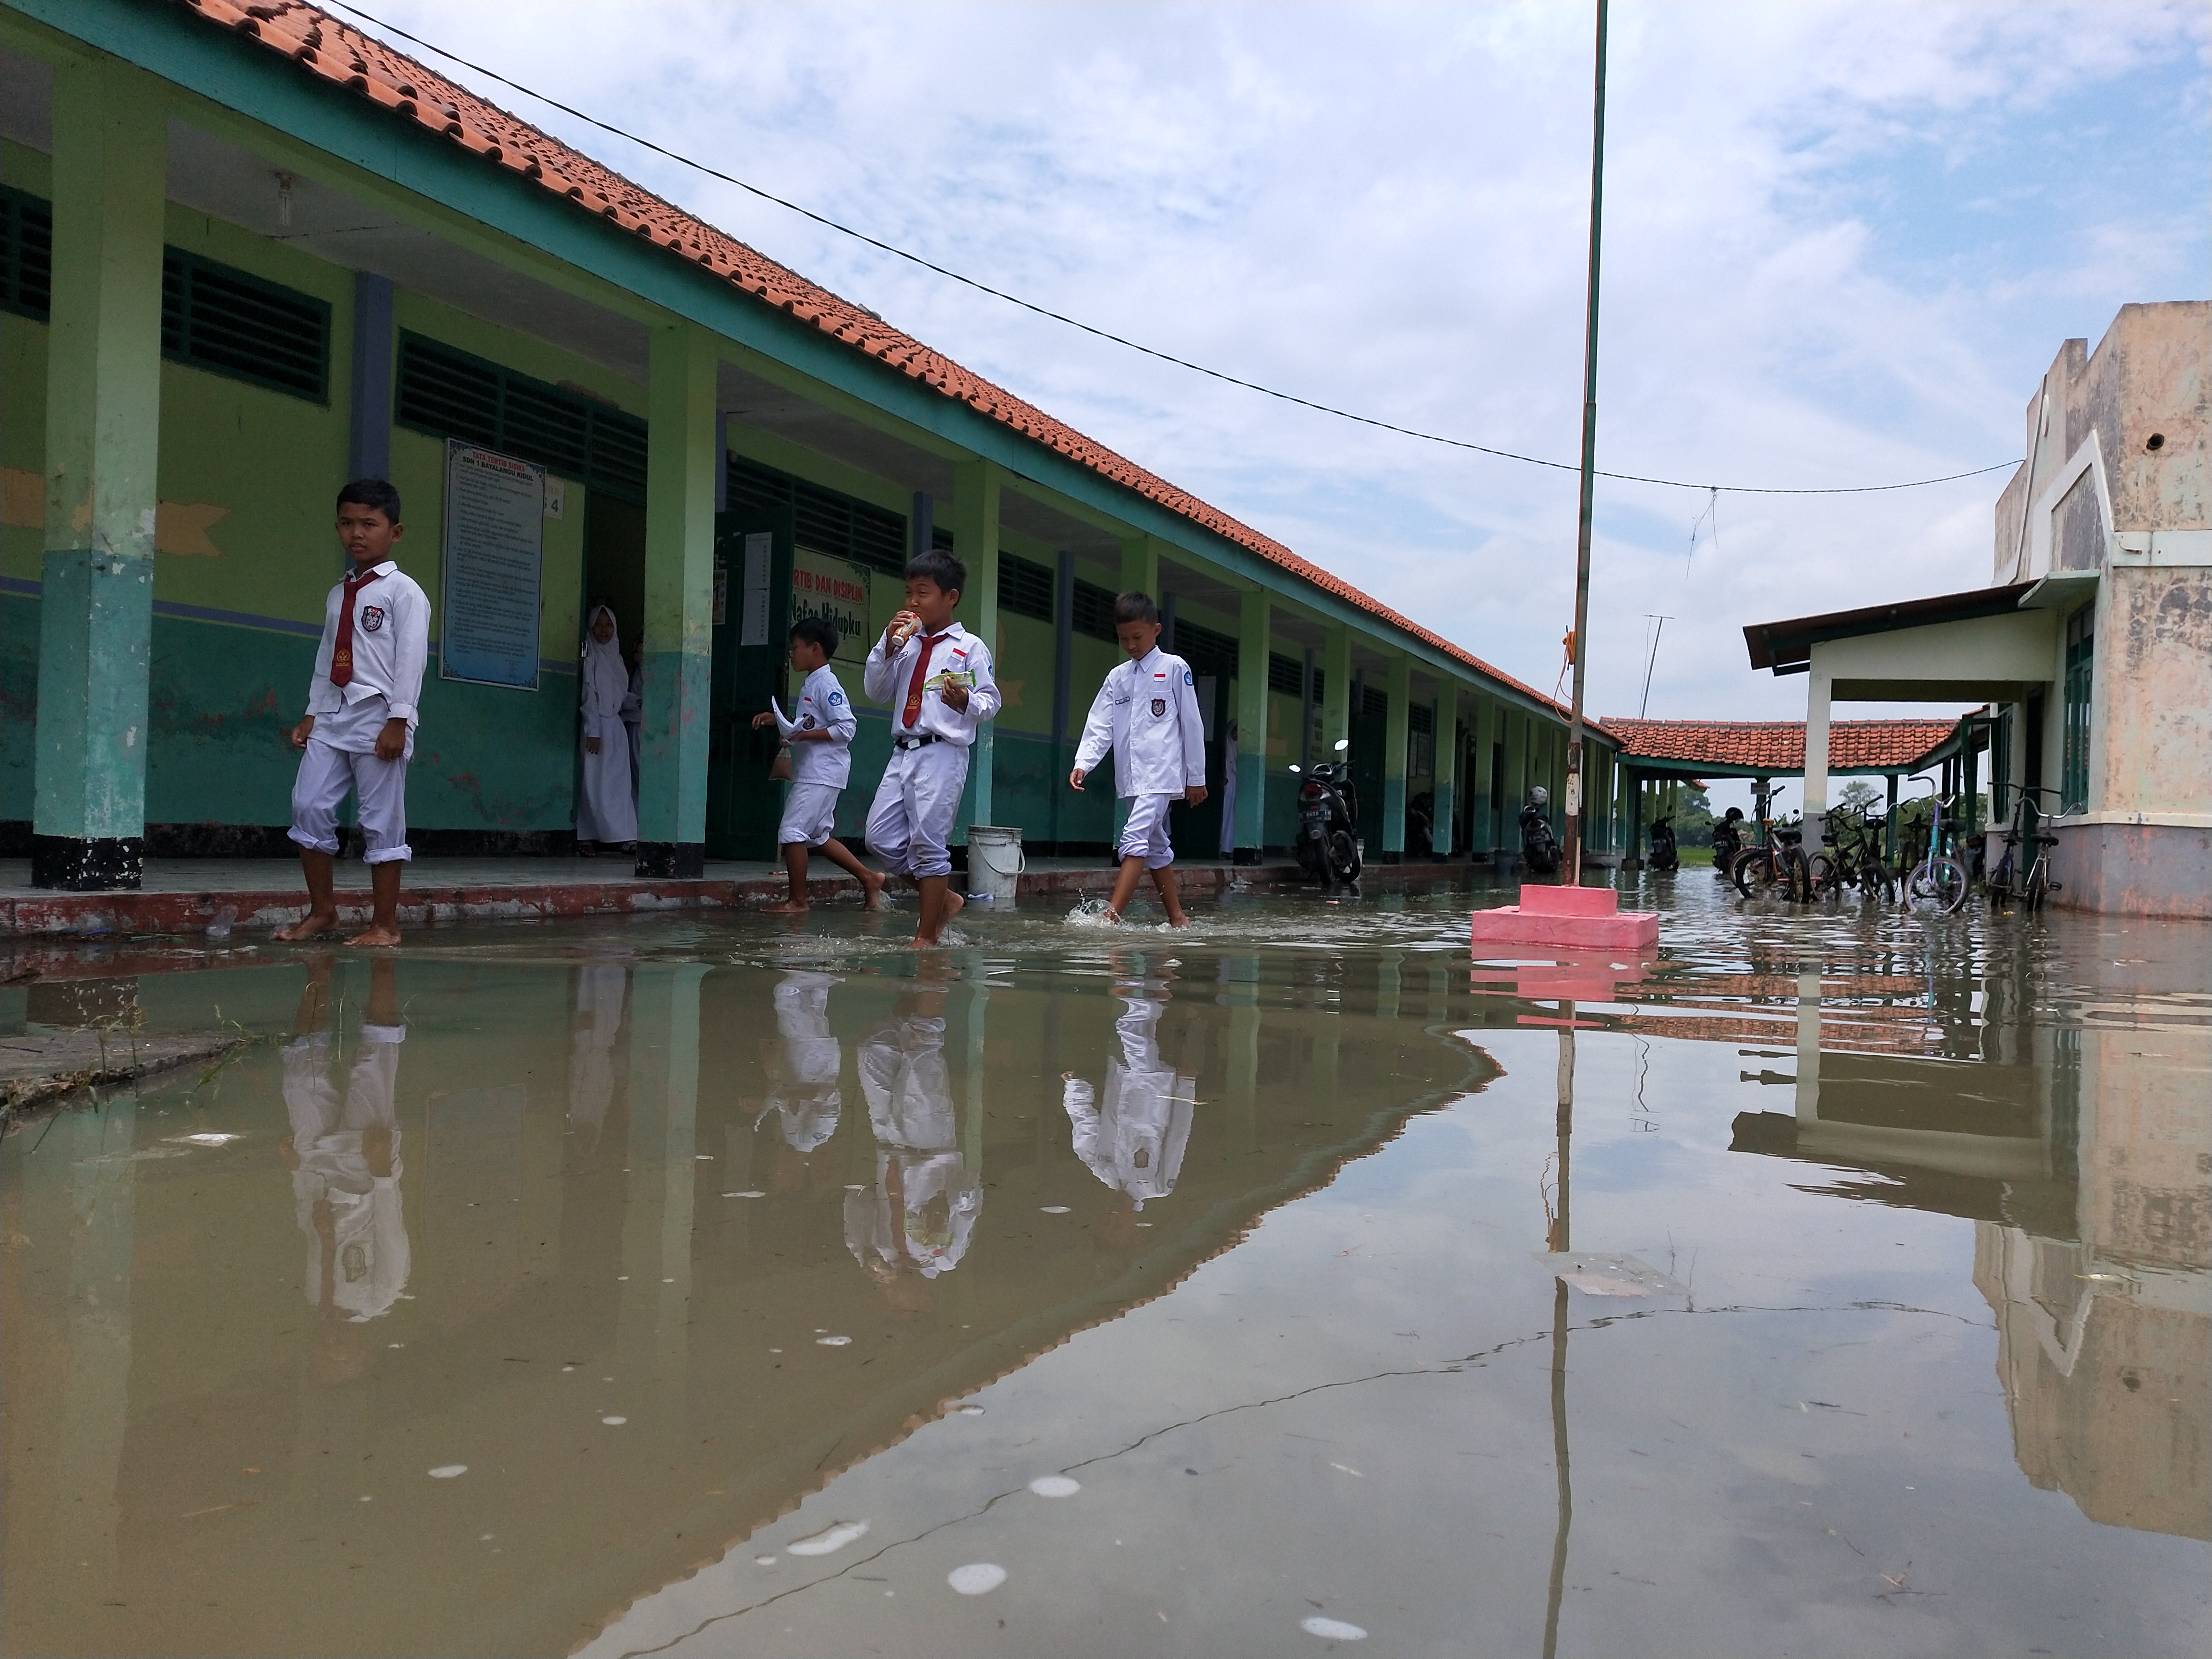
[
  {"x": 343, "y": 55},
  {"x": 1779, "y": 745}
]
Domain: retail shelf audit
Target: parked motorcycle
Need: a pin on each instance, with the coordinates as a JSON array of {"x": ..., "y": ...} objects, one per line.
[
  {"x": 1664, "y": 854},
  {"x": 1328, "y": 844},
  {"x": 1539, "y": 848},
  {"x": 1727, "y": 842}
]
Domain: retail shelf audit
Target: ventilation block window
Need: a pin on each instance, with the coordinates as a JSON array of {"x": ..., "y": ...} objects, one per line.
[
  {"x": 1024, "y": 588},
  {"x": 824, "y": 521},
  {"x": 2081, "y": 664},
  {"x": 26, "y": 254},
  {"x": 445, "y": 392},
  {"x": 231, "y": 322}
]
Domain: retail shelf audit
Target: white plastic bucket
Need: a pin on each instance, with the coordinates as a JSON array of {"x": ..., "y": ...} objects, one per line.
[{"x": 994, "y": 863}]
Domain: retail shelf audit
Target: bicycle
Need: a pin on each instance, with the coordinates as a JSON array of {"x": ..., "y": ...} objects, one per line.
[
  {"x": 1851, "y": 856},
  {"x": 2024, "y": 835},
  {"x": 1777, "y": 860},
  {"x": 1937, "y": 886}
]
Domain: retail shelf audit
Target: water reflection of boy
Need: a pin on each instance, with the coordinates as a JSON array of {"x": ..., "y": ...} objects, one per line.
[
  {"x": 805, "y": 1094},
  {"x": 344, "y": 1156},
  {"x": 919, "y": 1215},
  {"x": 1134, "y": 1143},
  {"x": 599, "y": 991}
]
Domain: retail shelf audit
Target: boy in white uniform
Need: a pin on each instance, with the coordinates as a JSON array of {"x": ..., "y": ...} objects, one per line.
[
  {"x": 358, "y": 733},
  {"x": 1147, "y": 714},
  {"x": 1135, "y": 1143},
  {"x": 936, "y": 675},
  {"x": 819, "y": 733}
]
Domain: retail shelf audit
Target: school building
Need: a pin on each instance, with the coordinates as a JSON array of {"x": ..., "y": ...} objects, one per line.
[{"x": 247, "y": 253}]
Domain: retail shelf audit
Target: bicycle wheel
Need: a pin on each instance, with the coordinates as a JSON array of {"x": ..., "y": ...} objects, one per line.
[
  {"x": 2038, "y": 885},
  {"x": 1824, "y": 877},
  {"x": 1877, "y": 881},
  {"x": 1753, "y": 872},
  {"x": 1937, "y": 887}
]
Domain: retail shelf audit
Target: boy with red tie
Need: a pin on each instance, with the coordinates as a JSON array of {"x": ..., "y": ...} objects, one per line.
[
  {"x": 936, "y": 675},
  {"x": 358, "y": 733}
]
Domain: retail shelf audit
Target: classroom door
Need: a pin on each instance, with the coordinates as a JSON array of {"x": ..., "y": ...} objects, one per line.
[{"x": 751, "y": 614}]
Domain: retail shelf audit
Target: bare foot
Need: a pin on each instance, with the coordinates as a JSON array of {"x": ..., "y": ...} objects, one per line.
[
  {"x": 871, "y": 885},
  {"x": 954, "y": 903},
  {"x": 314, "y": 922},
  {"x": 1111, "y": 915},
  {"x": 1178, "y": 920},
  {"x": 790, "y": 906},
  {"x": 376, "y": 932}
]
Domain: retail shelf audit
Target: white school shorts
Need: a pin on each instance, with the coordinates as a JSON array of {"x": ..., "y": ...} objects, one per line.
[
  {"x": 1144, "y": 835},
  {"x": 810, "y": 814},
  {"x": 327, "y": 772},
  {"x": 915, "y": 804}
]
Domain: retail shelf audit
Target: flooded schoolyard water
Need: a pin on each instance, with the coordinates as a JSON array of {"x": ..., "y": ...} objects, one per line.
[{"x": 737, "y": 1287}]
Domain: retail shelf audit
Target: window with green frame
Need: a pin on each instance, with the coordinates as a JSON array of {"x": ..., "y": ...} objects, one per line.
[{"x": 2080, "y": 661}]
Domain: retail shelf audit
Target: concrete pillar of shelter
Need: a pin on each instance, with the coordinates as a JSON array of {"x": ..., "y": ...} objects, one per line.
[
  {"x": 1889, "y": 823},
  {"x": 1252, "y": 646},
  {"x": 1063, "y": 678},
  {"x": 678, "y": 650},
  {"x": 1335, "y": 691},
  {"x": 1140, "y": 565},
  {"x": 1818, "y": 688},
  {"x": 1393, "y": 758},
  {"x": 977, "y": 487},
  {"x": 1306, "y": 671},
  {"x": 1632, "y": 859},
  {"x": 103, "y": 439},
  {"x": 1447, "y": 772}
]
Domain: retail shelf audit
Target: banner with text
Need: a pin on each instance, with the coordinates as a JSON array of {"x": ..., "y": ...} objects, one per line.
[{"x": 494, "y": 551}]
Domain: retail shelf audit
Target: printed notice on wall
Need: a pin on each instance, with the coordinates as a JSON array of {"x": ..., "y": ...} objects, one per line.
[
  {"x": 495, "y": 548},
  {"x": 752, "y": 624},
  {"x": 835, "y": 590}
]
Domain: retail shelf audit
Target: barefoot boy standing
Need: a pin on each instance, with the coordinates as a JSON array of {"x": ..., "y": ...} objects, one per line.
[
  {"x": 1147, "y": 713},
  {"x": 936, "y": 677},
  {"x": 358, "y": 733},
  {"x": 819, "y": 734}
]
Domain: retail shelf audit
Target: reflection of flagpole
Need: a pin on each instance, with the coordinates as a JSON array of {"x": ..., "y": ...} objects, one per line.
[{"x": 1561, "y": 1241}]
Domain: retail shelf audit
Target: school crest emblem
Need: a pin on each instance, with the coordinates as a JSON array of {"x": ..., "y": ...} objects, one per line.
[
  {"x": 1159, "y": 707},
  {"x": 372, "y": 618},
  {"x": 806, "y": 722}
]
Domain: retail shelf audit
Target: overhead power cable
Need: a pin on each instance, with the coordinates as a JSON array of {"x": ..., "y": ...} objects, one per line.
[{"x": 1107, "y": 335}]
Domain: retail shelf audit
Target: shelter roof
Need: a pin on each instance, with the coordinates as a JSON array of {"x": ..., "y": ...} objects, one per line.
[
  {"x": 345, "y": 56},
  {"x": 1776, "y": 748},
  {"x": 1786, "y": 647}
]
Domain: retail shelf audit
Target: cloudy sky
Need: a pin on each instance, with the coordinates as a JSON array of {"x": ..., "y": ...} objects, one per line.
[{"x": 1842, "y": 245}]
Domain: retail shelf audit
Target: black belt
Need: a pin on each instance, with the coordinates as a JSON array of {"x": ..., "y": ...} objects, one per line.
[{"x": 916, "y": 741}]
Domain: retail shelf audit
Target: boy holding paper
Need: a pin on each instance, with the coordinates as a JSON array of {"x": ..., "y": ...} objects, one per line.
[{"x": 819, "y": 733}]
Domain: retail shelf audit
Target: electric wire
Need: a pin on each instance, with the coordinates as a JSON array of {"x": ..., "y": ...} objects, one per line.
[{"x": 1123, "y": 341}]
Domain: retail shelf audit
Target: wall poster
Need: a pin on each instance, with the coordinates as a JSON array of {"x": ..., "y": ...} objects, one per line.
[
  {"x": 838, "y": 591},
  {"x": 494, "y": 562}
]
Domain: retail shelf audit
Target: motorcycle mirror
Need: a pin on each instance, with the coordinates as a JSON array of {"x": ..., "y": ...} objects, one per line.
[
  {"x": 1343, "y": 744},
  {"x": 1294, "y": 768}
]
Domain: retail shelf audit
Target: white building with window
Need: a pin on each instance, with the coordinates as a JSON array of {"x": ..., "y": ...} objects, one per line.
[{"x": 2091, "y": 644}]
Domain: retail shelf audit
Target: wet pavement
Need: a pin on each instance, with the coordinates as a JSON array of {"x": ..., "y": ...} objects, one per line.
[{"x": 732, "y": 1286}]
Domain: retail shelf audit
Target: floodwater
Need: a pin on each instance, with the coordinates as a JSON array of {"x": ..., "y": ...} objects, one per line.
[{"x": 733, "y": 1286}]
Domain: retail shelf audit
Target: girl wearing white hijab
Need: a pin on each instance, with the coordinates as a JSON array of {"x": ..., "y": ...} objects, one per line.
[{"x": 606, "y": 809}]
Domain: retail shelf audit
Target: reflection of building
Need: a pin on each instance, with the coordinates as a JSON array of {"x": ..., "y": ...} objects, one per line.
[{"x": 2084, "y": 1173}]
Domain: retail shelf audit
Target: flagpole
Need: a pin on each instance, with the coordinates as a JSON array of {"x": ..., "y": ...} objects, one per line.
[{"x": 1581, "y": 635}]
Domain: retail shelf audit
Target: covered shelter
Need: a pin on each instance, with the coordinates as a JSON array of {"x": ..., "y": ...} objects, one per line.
[
  {"x": 249, "y": 252},
  {"x": 1662, "y": 754}
]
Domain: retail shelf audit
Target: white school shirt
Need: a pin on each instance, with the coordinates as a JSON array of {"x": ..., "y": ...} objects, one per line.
[
  {"x": 821, "y": 706},
  {"x": 888, "y": 674},
  {"x": 1135, "y": 1143},
  {"x": 391, "y": 649},
  {"x": 1147, "y": 714}
]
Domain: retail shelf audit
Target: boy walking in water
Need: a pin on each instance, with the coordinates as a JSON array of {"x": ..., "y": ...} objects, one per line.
[
  {"x": 936, "y": 675},
  {"x": 819, "y": 733},
  {"x": 1147, "y": 714},
  {"x": 358, "y": 733}
]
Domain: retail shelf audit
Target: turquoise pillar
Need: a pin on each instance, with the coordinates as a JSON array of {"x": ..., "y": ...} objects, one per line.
[
  {"x": 680, "y": 467},
  {"x": 103, "y": 440},
  {"x": 1140, "y": 565},
  {"x": 1447, "y": 771},
  {"x": 977, "y": 489},
  {"x": 1335, "y": 691},
  {"x": 1252, "y": 645},
  {"x": 1394, "y": 759}
]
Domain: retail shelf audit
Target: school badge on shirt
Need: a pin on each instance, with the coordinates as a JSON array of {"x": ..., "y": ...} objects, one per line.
[
  {"x": 372, "y": 618},
  {"x": 1159, "y": 707}
]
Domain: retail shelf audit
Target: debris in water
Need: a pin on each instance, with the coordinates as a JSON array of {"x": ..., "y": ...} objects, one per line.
[
  {"x": 1598, "y": 1272},
  {"x": 207, "y": 1138},
  {"x": 832, "y": 1539},
  {"x": 1333, "y": 1630},
  {"x": 1053, "y": 1209},
  {"x": 1055, "y": 1486},
  {"x": 970, "y": 1410},
  {"x": 977, "y": 1578},
  {"x": 832, "y": 1341},
  {"x": 764, "y": 1560},
  {"x": 447, "y": 1471},
  {"x": 614, "y": 1422},
  {"x": 746, "y": 1194},
  {"x": 219, "y": 924}
]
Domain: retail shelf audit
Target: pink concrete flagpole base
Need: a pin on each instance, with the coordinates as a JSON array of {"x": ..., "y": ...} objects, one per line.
[{"x": 1578, "y": 918}]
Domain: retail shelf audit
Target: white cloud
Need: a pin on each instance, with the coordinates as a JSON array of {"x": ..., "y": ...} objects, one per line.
[{"x": 1842, "y": 243}]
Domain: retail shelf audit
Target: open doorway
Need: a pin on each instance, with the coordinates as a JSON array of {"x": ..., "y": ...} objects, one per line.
[{"x": 614, "y": 566}]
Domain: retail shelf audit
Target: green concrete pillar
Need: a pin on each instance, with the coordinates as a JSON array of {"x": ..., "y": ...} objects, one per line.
[
  {"x": 103, "y": 439},
  {"x": 1140, "y": 565},
  {"x": 1252, "y": 648},
  {"x": 1335, "y": 691},
  {"x": 977, "y": 489},
  {"x": 680, "y": 469},
  {"x": 1447, "y": 769},
  {"x": 1394, "y": 759}
]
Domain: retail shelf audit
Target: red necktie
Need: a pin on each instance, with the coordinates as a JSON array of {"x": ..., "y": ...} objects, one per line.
[
  {"x": 920, "y": 673},
  {"x": 342, "y": 653}
]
